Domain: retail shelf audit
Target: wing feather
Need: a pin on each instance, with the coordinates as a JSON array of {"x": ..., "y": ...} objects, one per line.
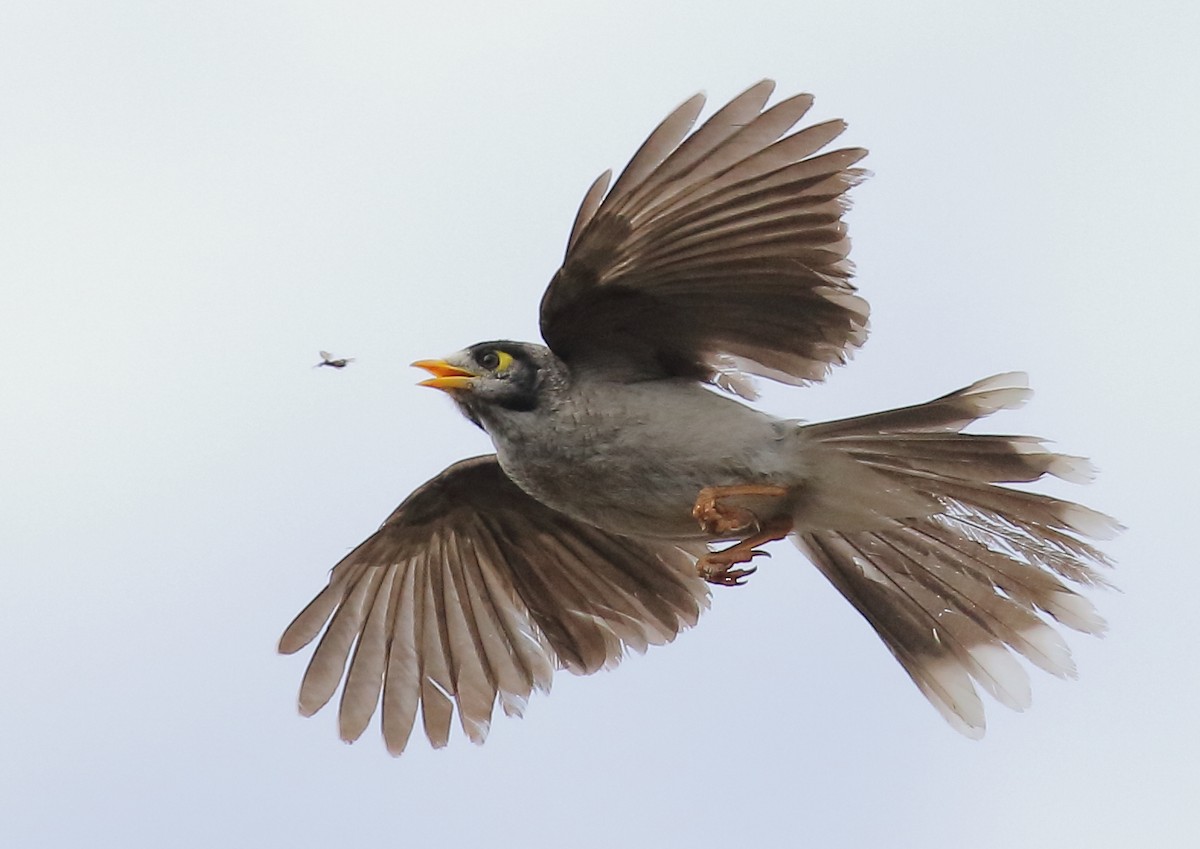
[
  {"x": 437, "y": 689},
  {"x": 329, "y": 660},
  {"x": 529, "y": 643},
  {"x": 474, "y": 687},
  {"x": 725, "y": 122},
  {"x": 746, "y": 140},
  {"x": 470, "y": 594},
  {"x": 665, "y": 138},
  {"x": 365, "y": 678},
  {"x": 499, "y": 642},
  {"x": 664, "y": 276},
  {"x": 587, "y": 209},
  {"x": 402, "y": 678}
]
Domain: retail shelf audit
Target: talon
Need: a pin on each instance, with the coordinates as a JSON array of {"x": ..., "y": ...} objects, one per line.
[
  {"x": 715, "y": 566},
  {"x": 732, "y": 577}
]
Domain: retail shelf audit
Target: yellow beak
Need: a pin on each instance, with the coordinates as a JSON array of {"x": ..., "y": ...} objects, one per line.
[{"x": 445, "y": 376}]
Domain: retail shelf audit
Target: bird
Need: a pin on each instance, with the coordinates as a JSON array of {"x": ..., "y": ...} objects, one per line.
[
  {"x": 327, "y": 359},
  {"x": 630, "y": 478}
]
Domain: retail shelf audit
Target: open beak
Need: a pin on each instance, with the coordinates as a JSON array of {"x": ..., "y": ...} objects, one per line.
[{"x": 445, "y": 376}]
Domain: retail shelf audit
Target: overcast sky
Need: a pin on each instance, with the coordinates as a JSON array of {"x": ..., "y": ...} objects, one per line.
[{"x": 195, "y": 198}]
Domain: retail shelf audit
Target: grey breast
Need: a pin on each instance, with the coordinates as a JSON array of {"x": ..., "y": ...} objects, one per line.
[{"x": 632, "y": 457}]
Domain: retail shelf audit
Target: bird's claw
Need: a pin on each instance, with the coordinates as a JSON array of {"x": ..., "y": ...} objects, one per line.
[
  {"x": 731, "y": 577},
  {"x": 715, "y": 566}
]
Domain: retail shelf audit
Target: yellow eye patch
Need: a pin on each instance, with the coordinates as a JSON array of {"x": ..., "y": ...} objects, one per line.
[{"x": 503, "y": 361}]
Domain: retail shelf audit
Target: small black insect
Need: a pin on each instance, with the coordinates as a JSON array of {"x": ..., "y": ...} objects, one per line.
[{"x": 328, "y": 360}]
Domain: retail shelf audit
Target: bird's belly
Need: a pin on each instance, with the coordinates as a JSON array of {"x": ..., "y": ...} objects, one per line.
[
  {"x": 632, "y": 499},
  {"x": 641, "y": 477}
]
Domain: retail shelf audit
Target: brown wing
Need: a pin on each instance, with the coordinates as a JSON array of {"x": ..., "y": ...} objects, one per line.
[
  {"x": 718, "y": 252},
  {"x": 473, "y": 591}
]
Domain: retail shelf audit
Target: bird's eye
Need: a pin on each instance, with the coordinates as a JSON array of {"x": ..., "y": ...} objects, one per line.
[{"x": 489, "y": 360}]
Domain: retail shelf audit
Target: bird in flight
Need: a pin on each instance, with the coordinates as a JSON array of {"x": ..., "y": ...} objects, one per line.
[
  {"x": 622, "y": 487},
  {"x": 327, "y": 359}
]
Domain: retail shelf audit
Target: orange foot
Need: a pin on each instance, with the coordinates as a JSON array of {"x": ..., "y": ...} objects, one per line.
[
  {"x": 714, "y": 566},
  {"x": 718, "y": 518}
]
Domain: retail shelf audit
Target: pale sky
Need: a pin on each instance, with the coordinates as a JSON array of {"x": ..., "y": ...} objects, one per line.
[{"x": 195, "y": 198}]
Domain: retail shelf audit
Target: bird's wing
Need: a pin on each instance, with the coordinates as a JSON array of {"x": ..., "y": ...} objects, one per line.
[
  {"x": 472, "y": 590},
  {"x": 325, "y": 355},
  {"x": 714, "y": 253}
]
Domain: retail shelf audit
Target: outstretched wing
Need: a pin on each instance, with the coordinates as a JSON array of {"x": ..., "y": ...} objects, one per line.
[
  {"x": 473, "y": 591},
  {"x": 718, "y": 252}
]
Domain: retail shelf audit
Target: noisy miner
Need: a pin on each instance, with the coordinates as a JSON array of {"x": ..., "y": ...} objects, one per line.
[{"x": 718, "y": 256}]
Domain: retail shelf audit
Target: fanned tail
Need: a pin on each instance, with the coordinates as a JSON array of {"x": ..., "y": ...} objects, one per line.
[{"x": 968, "y": 574}]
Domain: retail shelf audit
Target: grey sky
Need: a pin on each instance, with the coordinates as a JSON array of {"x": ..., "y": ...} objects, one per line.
[{"x": 195, "y": 198}]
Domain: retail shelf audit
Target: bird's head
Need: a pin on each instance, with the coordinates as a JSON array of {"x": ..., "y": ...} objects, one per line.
[{"x": 491, "y": 377}]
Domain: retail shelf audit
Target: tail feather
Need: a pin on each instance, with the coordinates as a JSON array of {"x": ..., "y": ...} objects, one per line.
[
  {"x": 955, "y": 592},
  {"x": 1012, "y": 459},
  {"x": 949, "y": 413}
]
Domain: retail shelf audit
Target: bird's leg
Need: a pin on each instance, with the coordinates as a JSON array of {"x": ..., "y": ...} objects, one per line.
[
  {"x": 719, "y": 518},
  {"x": 714, "y": 566}
]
